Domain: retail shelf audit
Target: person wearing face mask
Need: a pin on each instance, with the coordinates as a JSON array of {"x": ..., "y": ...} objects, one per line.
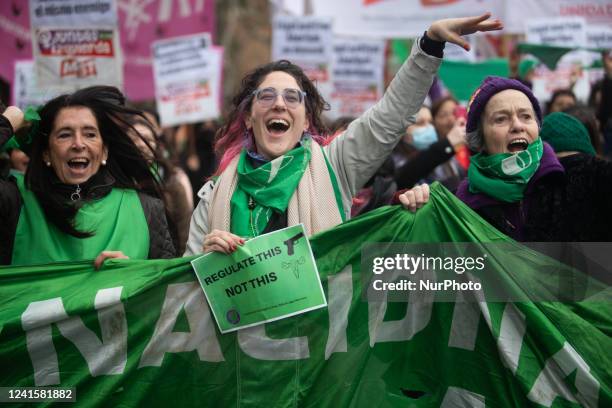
[
  {"x": 277, "y": 169},
  {"x": 424, "y": 136},
  {"x": 517, "y": 183},
  {"x": 421, "y": 152},
  {"x": 87, "y": 192}
]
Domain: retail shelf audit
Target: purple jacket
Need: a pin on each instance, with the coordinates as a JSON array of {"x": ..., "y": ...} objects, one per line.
[{"x": 514, "y": 214}]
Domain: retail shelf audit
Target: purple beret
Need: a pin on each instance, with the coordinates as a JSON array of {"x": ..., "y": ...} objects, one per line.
[{"x": 489, "y": 87}]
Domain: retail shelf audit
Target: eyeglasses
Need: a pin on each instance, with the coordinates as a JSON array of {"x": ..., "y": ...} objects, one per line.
[{"x": 267, "y": 96}]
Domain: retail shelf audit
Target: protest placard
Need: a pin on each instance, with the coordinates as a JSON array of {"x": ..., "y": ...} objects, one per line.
[
  {"x": 396, "y": 18},
  {"x": 75, "y": 43},
  {"x": 357, "y": 75},
  {"x": 599, "y": 36},
  {"x": 26, "y": 91},
  {"x": 270, "y": 277},
  {"x": 560, "y": 31},
  {"x": 516, "y": 11},
  {"x": 305, "y": 41},
  {"x": 187, "y": 72}
]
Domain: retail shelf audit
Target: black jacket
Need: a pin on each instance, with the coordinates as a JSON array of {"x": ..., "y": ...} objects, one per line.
[
  {"x": 577, "y": 208},
  {"x": 413, "y": 165}
]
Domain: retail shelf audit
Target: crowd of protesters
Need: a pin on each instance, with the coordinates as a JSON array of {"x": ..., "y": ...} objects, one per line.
[{"x": 89, "y": 177}]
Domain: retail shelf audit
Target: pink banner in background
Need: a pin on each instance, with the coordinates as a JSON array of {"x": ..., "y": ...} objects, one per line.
[
  {"x": 15, "y": 38},
  {"x": 144, "y": 21},
  {"x": 141, "y": 23}
]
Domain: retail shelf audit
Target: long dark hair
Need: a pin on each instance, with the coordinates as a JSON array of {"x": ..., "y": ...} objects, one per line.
[
  {"x": 230, "y": 136},
  {"x": 125, "y": 163}
]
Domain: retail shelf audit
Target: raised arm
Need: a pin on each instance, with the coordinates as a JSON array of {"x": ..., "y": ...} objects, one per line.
[{"x": 360, "y": 150}]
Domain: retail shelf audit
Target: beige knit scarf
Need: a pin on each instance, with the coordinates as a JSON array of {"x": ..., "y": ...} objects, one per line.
[{"x": 313, "y": 203}]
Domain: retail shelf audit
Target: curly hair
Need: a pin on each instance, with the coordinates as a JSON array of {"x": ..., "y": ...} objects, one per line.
[{"x": 230, "y": 137}]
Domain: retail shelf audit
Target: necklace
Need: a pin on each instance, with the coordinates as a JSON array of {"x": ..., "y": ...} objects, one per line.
[{"x": 76, "y": 196}]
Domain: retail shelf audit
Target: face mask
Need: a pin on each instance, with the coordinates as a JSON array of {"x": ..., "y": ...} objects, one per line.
[{"x": 423, "y": 137}]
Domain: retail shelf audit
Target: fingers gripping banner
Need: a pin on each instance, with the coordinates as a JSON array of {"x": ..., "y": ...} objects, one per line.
[{"x": 140, "y": 333}]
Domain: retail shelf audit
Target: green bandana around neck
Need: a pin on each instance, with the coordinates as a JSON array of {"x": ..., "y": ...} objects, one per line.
[
  {"x": 504, "y": 176},
  {"x": 267, "y": 188}
]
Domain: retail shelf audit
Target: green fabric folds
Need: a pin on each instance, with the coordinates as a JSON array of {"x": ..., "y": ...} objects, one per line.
[
  {"x": 139, "y": 333},
  {"x": 550, "y": 54}
]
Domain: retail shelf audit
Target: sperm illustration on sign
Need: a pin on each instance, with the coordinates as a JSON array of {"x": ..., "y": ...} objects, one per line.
[{"x": 294, "y": 266}]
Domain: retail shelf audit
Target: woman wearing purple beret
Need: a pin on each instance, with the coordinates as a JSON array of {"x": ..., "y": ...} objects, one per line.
[{"x": 517, "y": 183}]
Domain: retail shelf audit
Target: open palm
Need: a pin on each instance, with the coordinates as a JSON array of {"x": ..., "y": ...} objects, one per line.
[{"x": 451, "y": 29}]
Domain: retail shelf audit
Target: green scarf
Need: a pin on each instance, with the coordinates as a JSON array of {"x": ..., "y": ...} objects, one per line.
[
  {"x": 504, "y": 176},
  {"x": 265, "y": 189}
]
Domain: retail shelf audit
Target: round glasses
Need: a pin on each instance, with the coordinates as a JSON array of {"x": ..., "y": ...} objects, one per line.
[{"x": 267, "y": 96}]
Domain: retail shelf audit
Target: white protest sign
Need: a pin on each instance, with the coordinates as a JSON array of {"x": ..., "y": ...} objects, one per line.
[
  {"x": 397, "y": 18},
  {"x": 599, "y": 36},
  {"x": 305, "y": 41},
  {"x": 76, "y": 43},
  {"x": 546, "y": 82},
  {"x": 559, "y": 31},
  {"x": 26, "y": 91},
  {"x": 73, "y": 12},
  {"x": 357, "y": 75},
  {"x": 187, "y": 72},
  {"x": 515, "y": 11}
]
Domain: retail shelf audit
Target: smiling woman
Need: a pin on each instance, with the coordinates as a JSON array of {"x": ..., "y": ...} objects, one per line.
[
  {"x": 88, "y": 191},
  {"x": 277, "y": 166},
  {"x": 76, "y": 149}
]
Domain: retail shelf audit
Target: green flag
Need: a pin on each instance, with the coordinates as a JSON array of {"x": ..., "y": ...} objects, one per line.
[{"x": 140, "y": 333}]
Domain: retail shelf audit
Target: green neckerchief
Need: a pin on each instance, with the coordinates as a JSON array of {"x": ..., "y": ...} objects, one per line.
[
  {"x": 117, "y": 220},
  {"x": 266, "y": 188},
  {"x": 504, "y": 176}
]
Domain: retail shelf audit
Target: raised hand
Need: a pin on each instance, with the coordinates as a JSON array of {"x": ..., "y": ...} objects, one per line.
[
  {"x": 451, "y": 29},
  {"x": 15, "y": 116}
]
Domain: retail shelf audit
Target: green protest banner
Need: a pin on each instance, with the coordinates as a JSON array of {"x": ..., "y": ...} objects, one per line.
[
  {"x": 140, "y": 333},
  {"x": 270, "y": 277}
]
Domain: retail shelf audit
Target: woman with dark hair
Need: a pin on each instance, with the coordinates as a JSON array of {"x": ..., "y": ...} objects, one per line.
[
  {"x": 560, "y": 100},
  {"x": 176, "y": 188},
  {"x": 87, "y": 193},
  {"x": 274, "y": 171}
]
